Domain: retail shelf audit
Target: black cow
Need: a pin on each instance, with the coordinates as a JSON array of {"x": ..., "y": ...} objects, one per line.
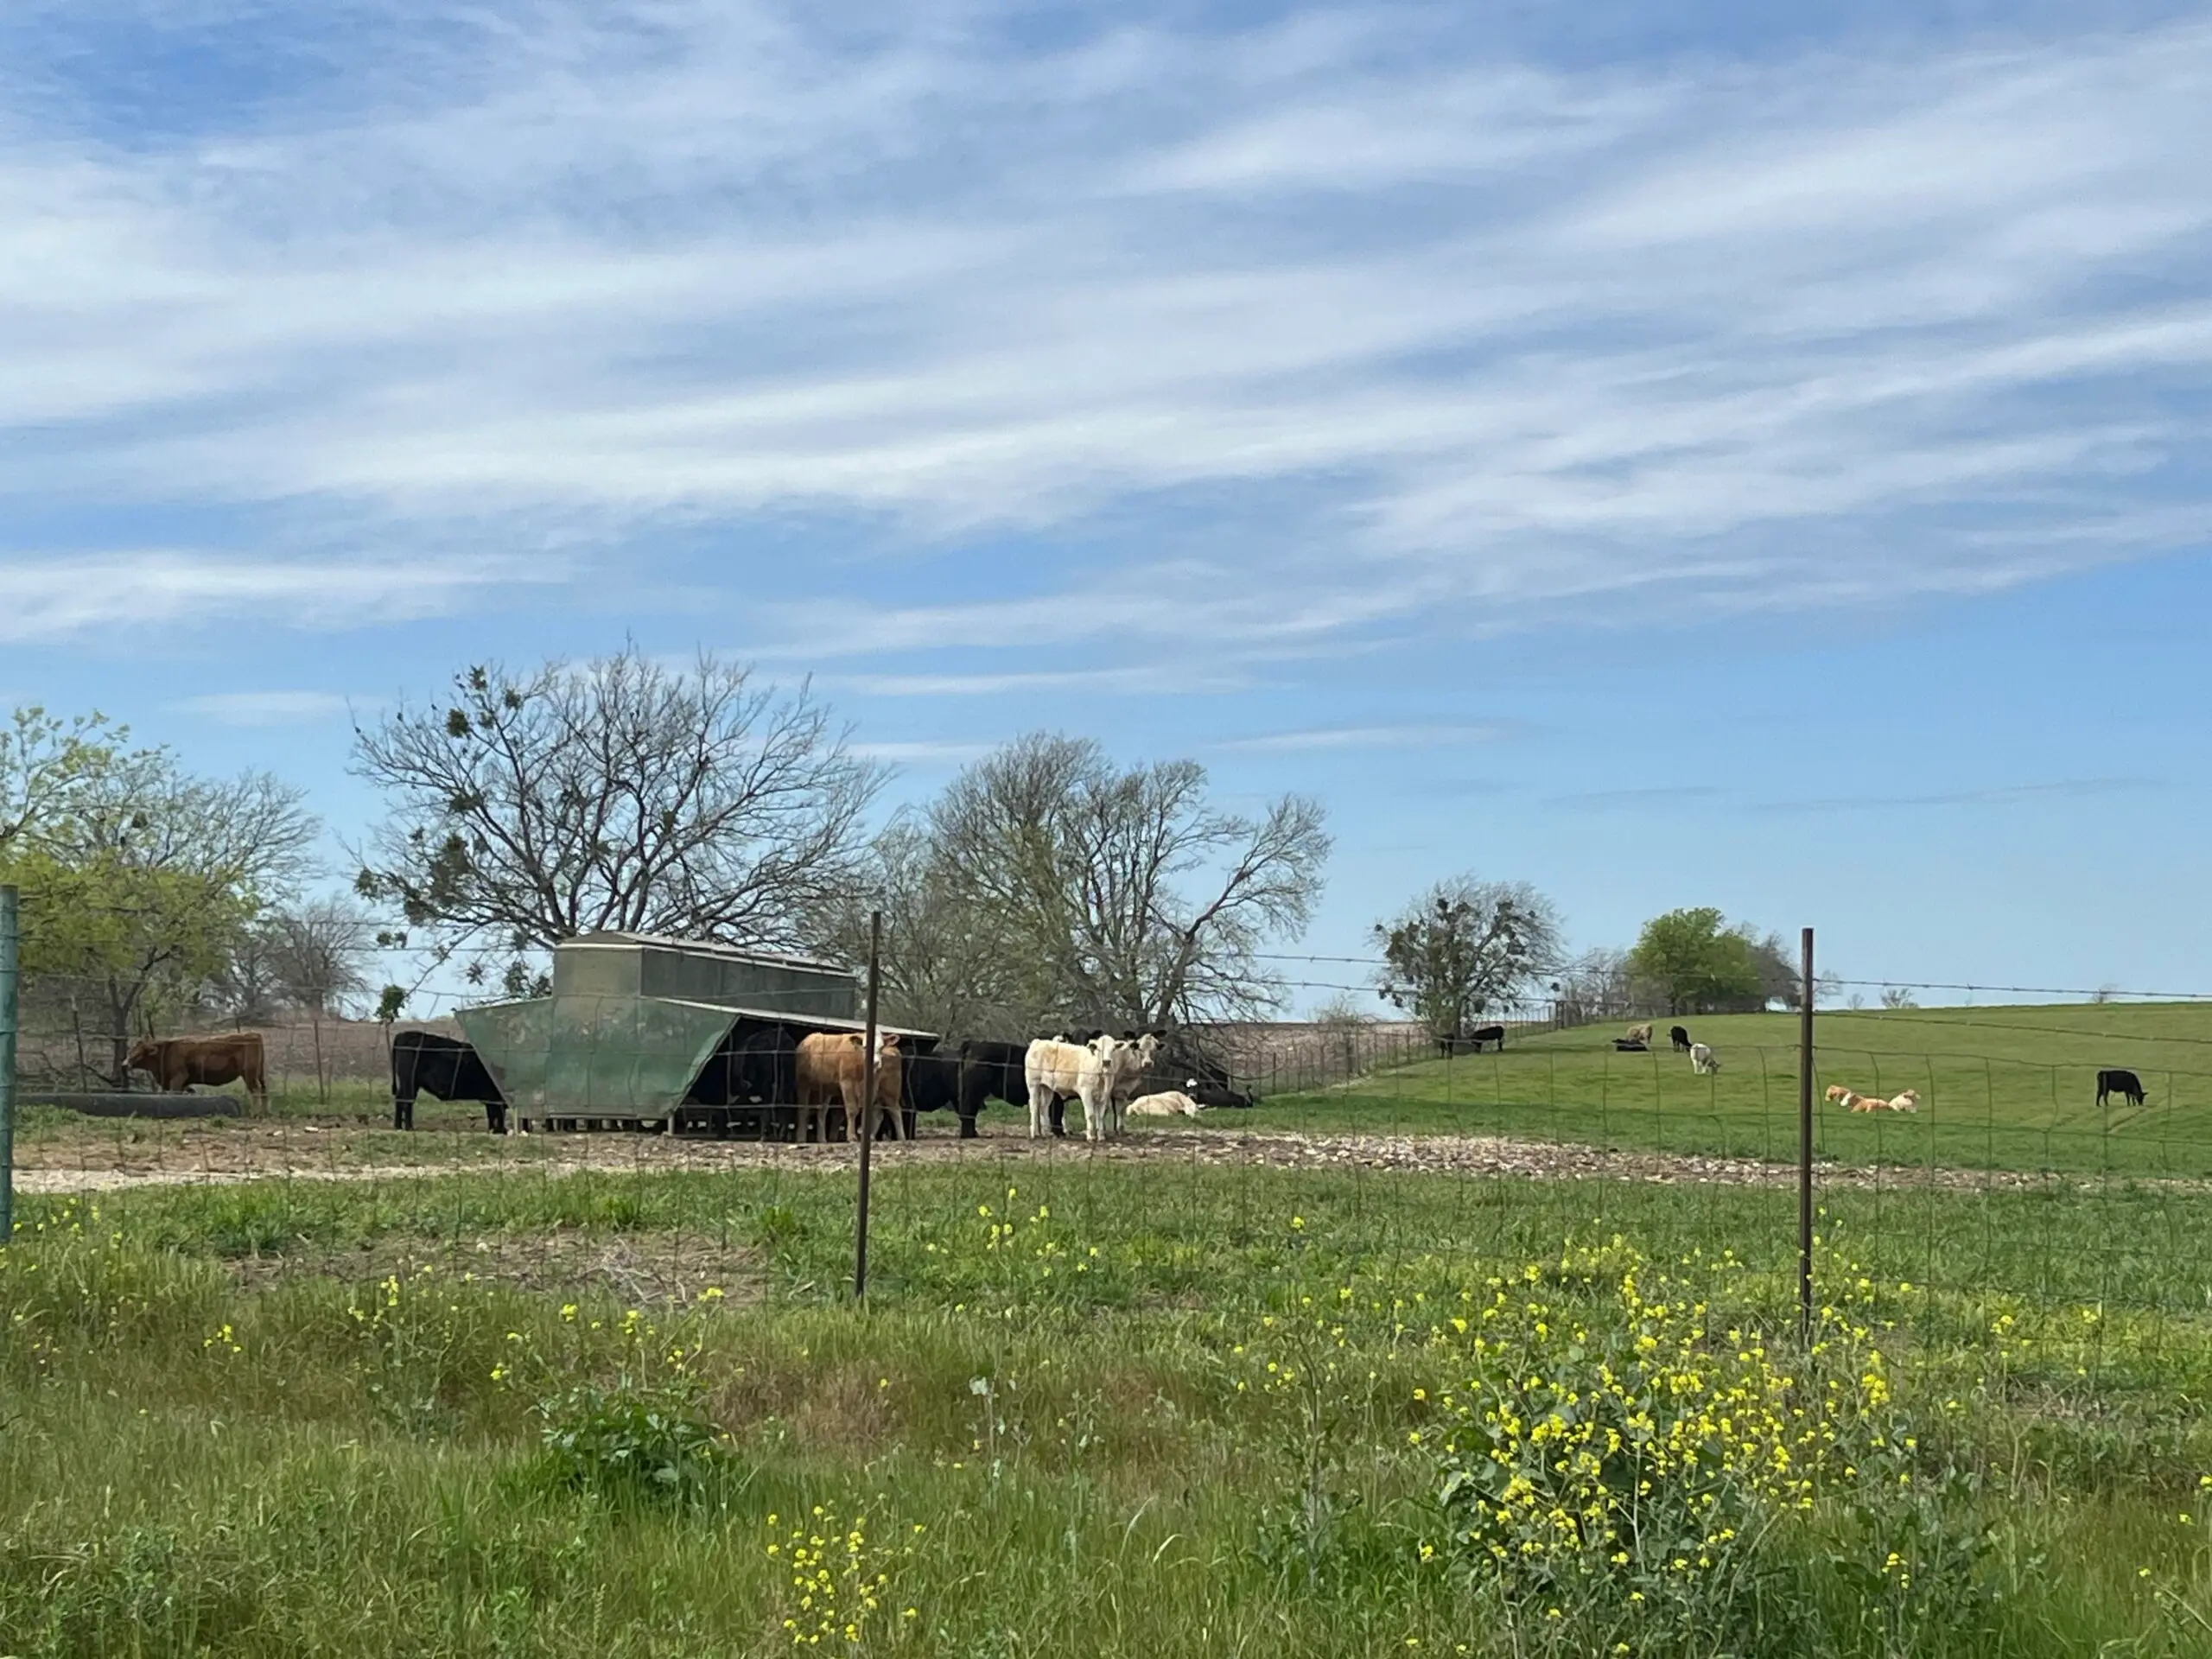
[
  {"x": 992, "y": 1070},
  {"x": 1631, "y": 1045},
  {"x": 424, "y": 1063},
  {"x": 1471, "y": 1042},
  {"x": 1679, "y": 1038},
  {"x": 1214, "y": 1095},
  {"x": 2120, "y": 1083},
  {"x": 757, "y": 1068},
  {"x": 930, "y": 1082}
]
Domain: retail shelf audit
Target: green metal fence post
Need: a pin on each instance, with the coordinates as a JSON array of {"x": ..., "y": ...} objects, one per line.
[{"x": 9, "y": 912}]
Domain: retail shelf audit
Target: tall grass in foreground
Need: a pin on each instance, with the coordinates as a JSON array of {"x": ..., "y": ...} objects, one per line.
[{"x": 1228, "y": 1412}]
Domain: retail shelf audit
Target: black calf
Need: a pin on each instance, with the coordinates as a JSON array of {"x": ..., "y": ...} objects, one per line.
[{"x": 1680, "y": 1037}]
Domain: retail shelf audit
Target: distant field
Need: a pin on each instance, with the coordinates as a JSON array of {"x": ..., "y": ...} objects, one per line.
[{"x": 2008, "y": 1088}]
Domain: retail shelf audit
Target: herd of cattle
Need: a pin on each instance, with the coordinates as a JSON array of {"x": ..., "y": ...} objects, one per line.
[
  {"x": 1638, "y": 1041},
  {"x": 780, "y": 1065}
]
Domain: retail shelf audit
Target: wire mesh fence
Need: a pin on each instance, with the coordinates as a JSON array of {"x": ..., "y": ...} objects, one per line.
[{"x": 2008, "y": 1168}]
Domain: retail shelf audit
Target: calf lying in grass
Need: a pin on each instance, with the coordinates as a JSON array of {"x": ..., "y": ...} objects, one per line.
[{"x": 1908, "y": 1101}]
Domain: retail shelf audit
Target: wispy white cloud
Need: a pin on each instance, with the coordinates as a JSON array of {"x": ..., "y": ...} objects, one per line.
[
  {"x": 1638, "y": 800},
  {"x": 924, "y": 751},
  {"x": 44, "y": 598},
  {"x": 265, "y": 707},
  {"x": 1170, "y": 678},
  {"x": 1992, "y": 795},
  {"x": 1401, "y": 737},
  {"x": 1809, "y": 330}
]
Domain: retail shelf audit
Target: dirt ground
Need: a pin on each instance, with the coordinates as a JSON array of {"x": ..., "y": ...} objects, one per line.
[{"x": 94, "y": 1155}]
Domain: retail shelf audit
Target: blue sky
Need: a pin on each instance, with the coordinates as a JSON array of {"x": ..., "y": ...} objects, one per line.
[{"x": 1747, "y": 458}]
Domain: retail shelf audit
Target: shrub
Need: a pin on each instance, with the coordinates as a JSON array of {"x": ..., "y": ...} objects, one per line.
[{"x": 627, "y": 1440}]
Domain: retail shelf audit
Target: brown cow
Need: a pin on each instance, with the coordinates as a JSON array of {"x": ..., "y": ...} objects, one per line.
[
  {"x": 833, "y": 1071},
  {"x": 176, "y": 1063}
]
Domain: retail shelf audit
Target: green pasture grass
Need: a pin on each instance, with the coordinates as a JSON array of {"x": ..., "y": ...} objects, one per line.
[
  {"x": 297, "y": 1417},
  {"x": 2011, "y": 1088}
]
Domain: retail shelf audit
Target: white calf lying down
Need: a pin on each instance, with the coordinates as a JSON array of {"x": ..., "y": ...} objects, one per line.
[
  {"x": 1702, "y": 1059},
  {"x": 1170, "y": 1102}
]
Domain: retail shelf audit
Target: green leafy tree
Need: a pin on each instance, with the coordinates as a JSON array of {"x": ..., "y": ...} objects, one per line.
[
  {"x": 1694, "y": 962},
  {"x": 139, "y": 880},
  {"x": 1464, "y": 946},
  {"x": 49, "y": 765}
]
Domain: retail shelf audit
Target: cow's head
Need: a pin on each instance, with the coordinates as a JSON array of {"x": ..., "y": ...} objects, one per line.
[{"x": 144, "y": 1055}]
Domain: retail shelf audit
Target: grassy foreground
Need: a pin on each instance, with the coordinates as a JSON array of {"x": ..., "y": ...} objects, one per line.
[
  {"x": 2000, "y": 1088},
  {"x": 1120, "y": 1411}
]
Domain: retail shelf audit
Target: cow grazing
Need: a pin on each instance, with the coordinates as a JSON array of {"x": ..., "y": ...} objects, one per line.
[
  {"x": 1213, "y": 1095},
  {"x": 423, "y": 1063},
  {"x": 1055, "y": 1072},
  {"x": 1679, "y": 1039},
  {"x": 1640, "y": 1035},
  {"x": 176, "y": 1063},
  {"x": 1702, "y": 1059},
  {"x": 2124, "y": 1084},
  {"x": 832, "y": 1070},
  {"x": 1172, "y": 1102}
]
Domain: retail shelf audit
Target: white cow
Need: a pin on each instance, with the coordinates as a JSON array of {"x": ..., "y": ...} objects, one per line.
[
  {"x": 1131, "y": 1061},
  {"x": 1172, "y": 1102},
  {"x": 1085, "y": 1071},
  {"x": 1702, "y": 1059}
]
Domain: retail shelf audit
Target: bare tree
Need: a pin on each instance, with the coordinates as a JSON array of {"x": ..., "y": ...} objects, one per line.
[
  {"x": 319, "y": 953},
  {"x": 1464, "y": 945},
  {"x": 942, "y": 969},
  {"x": 1596, "y": 985},
  {"x": 1122, "y": 898},
  {"x": 619, "y": 794}
]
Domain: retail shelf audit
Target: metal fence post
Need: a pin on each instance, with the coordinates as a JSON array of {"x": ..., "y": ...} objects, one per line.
[
  {"x": 867, "y": 1106},
  {"x": 1805, "y": 1149},
  {"x": 9, "y": 917}
]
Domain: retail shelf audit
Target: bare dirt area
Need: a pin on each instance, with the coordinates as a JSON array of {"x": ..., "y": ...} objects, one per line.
[{"x": 106, "y": 1156}]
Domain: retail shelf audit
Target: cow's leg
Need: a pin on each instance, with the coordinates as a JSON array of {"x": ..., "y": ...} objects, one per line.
[
  {"x": 495, "y": 1117},
  {"x": 402, "y": 1111},
  {"x": 968, "y": 1130},
  {"x": 1059, "y": 1115}
]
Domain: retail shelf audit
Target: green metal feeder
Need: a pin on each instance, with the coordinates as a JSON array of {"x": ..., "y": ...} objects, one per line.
[{"x": 634, "y": 1020}]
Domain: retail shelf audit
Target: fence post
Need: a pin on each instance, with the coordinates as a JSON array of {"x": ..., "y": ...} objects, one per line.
[
  {"x": 867, "y": 1106},
  {"x": 10, "y": 915},
  {"x": 1805, "y": 1149}
]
